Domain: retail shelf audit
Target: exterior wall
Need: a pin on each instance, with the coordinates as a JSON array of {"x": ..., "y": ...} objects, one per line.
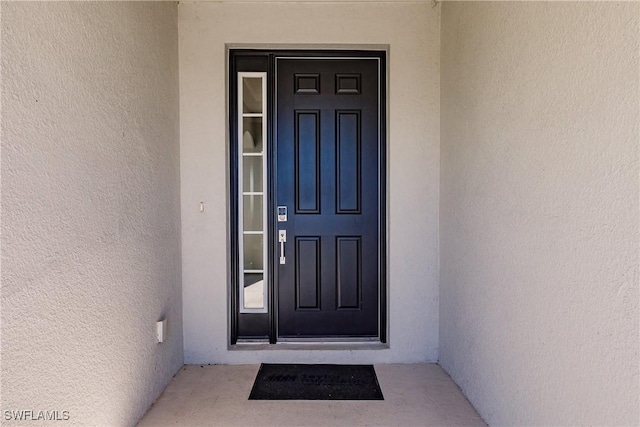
[
  {"x": 90, "y": 208},
  {"x": 412, "y": 32},
  {"x": 539, "y": 210}
]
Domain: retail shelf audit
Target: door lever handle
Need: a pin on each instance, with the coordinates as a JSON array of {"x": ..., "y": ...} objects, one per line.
[{"x": 282, "y": 238}]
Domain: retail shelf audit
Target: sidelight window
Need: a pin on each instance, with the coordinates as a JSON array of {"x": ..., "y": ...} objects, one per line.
[{"x": 252, "y": 170}]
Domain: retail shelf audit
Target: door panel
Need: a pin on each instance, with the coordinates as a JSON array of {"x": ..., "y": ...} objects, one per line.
[
  {"x": 307, "y": 258},
  {"x": 307, "y": 161},
  {"x": 348, "y": 161},
  {"x": 328, "y": 175},
  {"x": 349, "y": 265}
]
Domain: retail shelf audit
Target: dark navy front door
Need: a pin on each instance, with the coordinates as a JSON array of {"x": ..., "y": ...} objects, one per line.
[{"x": 327, "y": 175}]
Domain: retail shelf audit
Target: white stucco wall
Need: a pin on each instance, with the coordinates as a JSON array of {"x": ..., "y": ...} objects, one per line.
[
  {"x": 539, "y": 210},
  {"x": 90, "y": 208},
  {"x": 411, "y": 29}
]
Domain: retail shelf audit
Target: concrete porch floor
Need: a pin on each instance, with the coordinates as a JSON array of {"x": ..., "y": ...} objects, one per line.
[{"x": 415, "y": 395}]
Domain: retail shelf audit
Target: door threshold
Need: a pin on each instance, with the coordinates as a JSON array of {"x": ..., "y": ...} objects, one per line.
[
  {"x": 311, "y": 345},
  {"x": 352, "y": 340}
]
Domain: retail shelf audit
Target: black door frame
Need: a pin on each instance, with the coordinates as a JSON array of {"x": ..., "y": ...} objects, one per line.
[{"x": 263, "y": 326}]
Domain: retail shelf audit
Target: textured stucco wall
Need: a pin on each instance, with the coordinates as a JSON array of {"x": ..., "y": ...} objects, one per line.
[
  {"x": 412, "y": 31},
  {"x": 90, "y": 208},
  {"x": 539, "y": 210}
]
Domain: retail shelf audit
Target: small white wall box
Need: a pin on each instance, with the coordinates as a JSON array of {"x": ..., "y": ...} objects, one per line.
[{"x": 161, "y": 329}]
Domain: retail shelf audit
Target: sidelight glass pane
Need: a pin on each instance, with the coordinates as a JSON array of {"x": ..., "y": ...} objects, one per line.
[
  {"x": 253, "y": 255},
  {"x": 253, "y": 290},
  {"x": 252, "y": 207},
  {"x": 252, "y": 135},
  {"x": 251, "y": 148},
  {"x": 252, "y": 94},
  {"x": 252, "y": 174}
]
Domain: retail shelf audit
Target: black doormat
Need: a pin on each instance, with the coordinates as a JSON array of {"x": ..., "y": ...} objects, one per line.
[{"x": 316, "y": 382}]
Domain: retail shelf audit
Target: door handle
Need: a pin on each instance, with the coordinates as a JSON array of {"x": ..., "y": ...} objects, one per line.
[{"x": 282, "y": 238}]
